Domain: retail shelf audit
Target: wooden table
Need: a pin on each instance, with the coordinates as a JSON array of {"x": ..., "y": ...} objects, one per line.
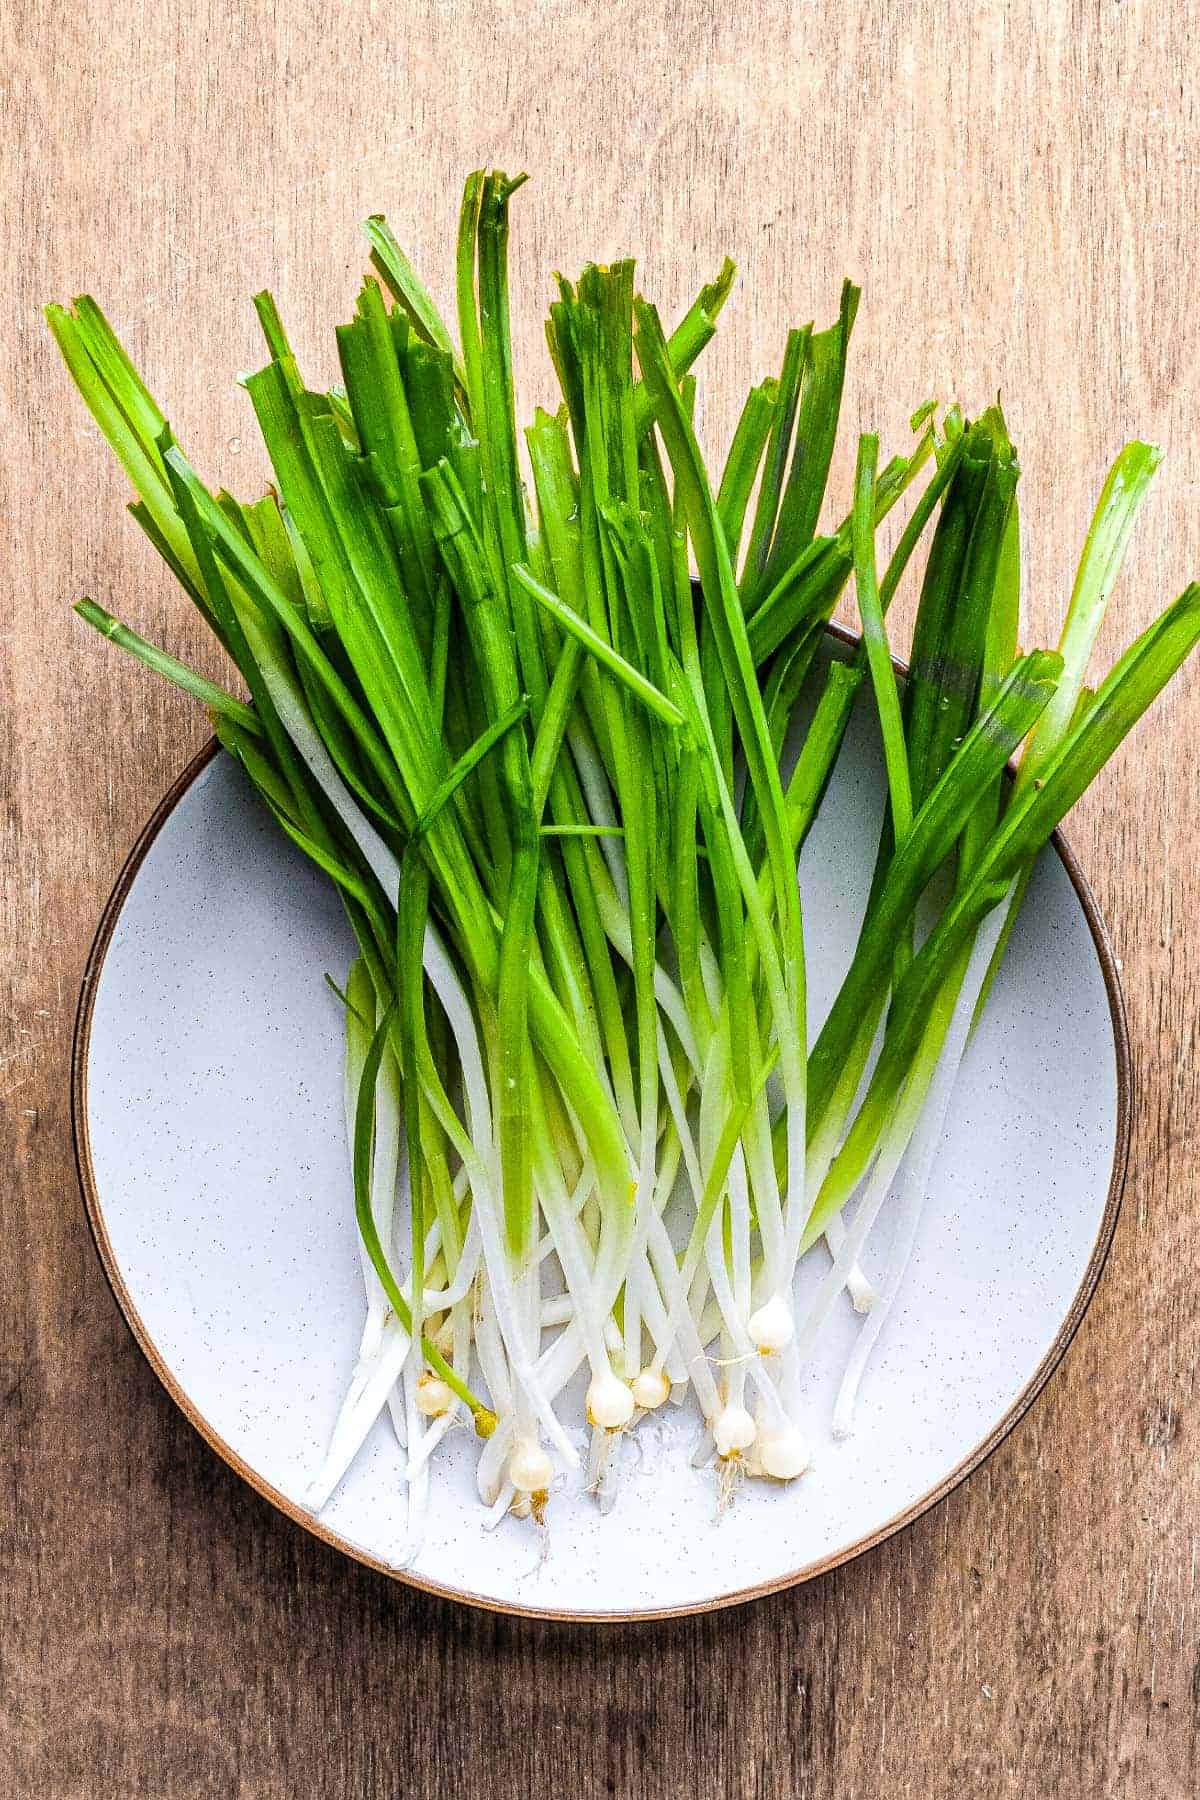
[{"x": 1017, "y": 187}]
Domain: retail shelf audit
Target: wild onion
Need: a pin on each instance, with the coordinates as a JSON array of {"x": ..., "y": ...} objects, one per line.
[{"x": 523, "y": 698}]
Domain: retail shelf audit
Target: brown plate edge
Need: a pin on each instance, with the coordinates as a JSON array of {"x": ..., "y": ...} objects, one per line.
[{"x": 1019, "y": 1407}]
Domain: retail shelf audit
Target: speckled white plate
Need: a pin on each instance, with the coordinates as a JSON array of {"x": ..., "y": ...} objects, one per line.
[{"x": 208, "y": 1119}]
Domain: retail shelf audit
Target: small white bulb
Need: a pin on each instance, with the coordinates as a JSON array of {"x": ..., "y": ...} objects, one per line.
[
  {"x": 783, "y": 1455},
  {"x": 650, "y": 1389},
  {"x": 529, "y": 1468},
  {"x": 609, "y": 1402},
  {"x": 733, "y": 1431},
  {"x": 772, "y": 1327},
  {"x": 433, "y": 1396}
]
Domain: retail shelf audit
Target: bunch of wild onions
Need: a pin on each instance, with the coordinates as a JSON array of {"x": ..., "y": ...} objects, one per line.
[{"x": 542, "y": 764}]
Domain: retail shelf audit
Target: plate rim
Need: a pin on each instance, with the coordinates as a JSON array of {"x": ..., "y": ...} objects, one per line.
[{"x": 80, "y": 1045}]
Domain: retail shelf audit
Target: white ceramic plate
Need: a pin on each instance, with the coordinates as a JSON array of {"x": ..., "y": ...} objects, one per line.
[{"x": 208, "y": 1118}]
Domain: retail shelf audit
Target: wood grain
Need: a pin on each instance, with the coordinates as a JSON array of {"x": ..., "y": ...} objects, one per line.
[{"x": 1017, "y": 186}]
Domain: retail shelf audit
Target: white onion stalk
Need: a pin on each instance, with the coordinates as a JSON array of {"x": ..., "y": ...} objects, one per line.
[
  {"x": 862, "y": 1291},
  {"x": 443, "y": 978},
  {"x": 359, "y": 1413},
  {"x": 373, "y": 1384},
  {"x": 500, "y": 1507},
  {"x": 875, "y": 1192},
  {"x": 918, "y": 1162},
  {"x": 417, "y": 1483},
  {"x": 571, "y": 1246},
  {"x": 384, "y": 1174}
]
